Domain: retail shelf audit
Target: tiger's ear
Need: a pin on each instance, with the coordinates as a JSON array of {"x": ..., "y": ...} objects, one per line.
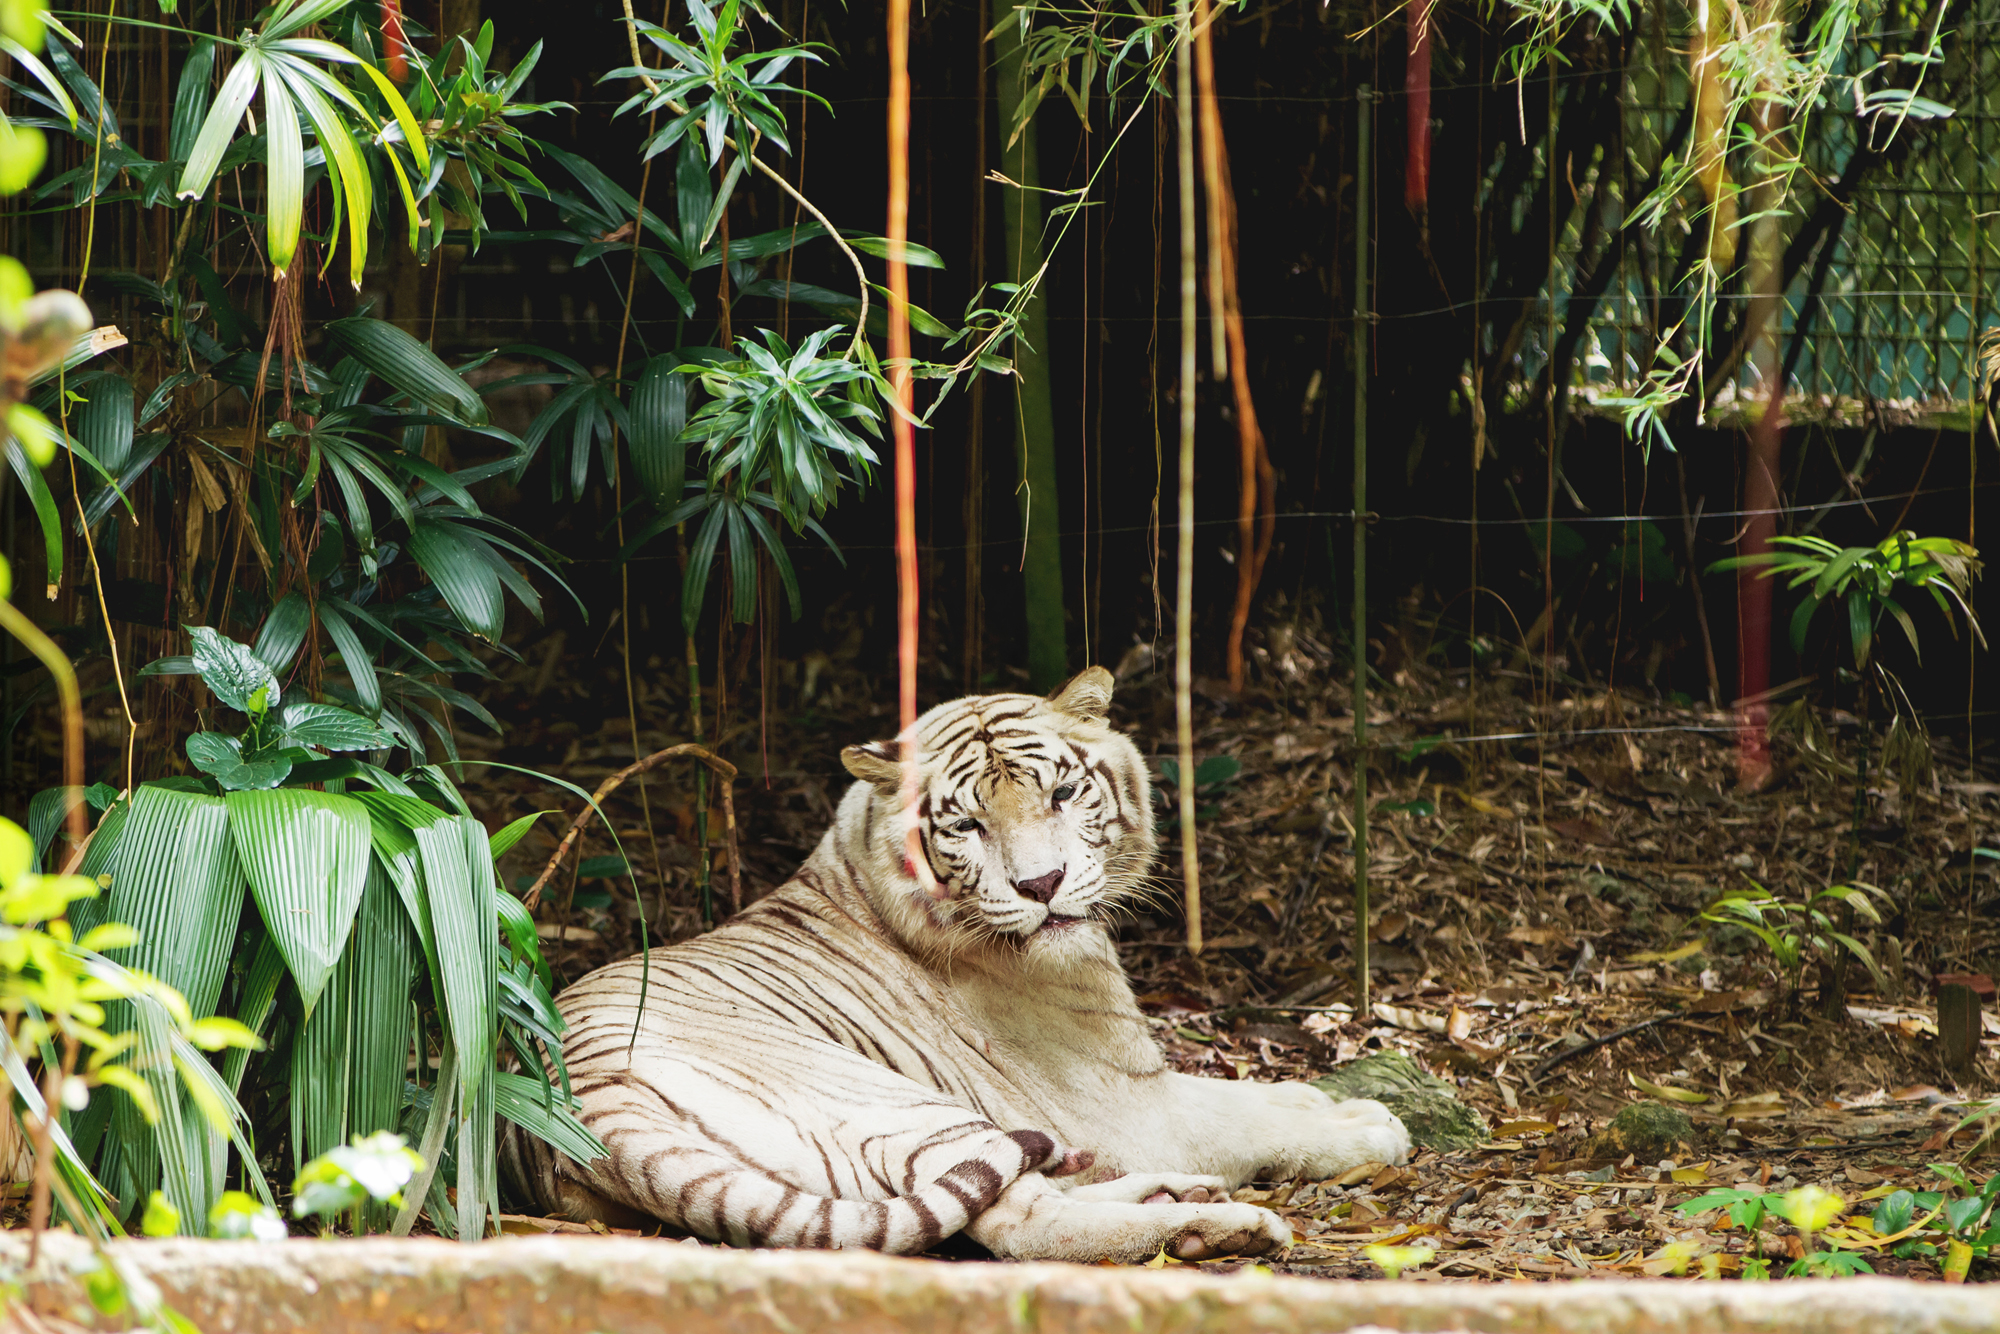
[
  {"x": 877, "y": 762},
  {"x": 1088, "y": 695}
]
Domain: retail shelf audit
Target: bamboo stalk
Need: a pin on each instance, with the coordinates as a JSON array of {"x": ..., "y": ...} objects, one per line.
[
  {"x": 1184, "y": 583},
  {"x": 914, "y": 857},
  {"x": 1364, "y": 100}
]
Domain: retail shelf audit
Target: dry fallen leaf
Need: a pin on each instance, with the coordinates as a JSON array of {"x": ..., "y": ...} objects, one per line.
[
  {"x": 1514, "y": 1129},
  {"x": 1417, "y": 1021},
  {"x": 1668, "y": 1092},
  {"x": 1687, "y": 951},
  {"x": 1761, "y": 1104}
]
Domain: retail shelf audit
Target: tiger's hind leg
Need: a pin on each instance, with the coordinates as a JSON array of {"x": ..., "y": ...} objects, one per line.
[{"x": 866, "y": 1158}]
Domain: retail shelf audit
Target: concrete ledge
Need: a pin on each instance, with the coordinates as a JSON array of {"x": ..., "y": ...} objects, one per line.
[{"x": 599, "y": 1285}]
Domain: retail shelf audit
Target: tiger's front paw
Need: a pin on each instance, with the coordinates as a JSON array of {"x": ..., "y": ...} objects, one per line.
[
  {"x": 1378, "y": 1134},
  {"x": 1230, "y": 1229},
  {"x": 1155, "y": 1188}
]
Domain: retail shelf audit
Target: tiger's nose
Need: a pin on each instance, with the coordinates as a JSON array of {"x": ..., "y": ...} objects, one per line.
[{"x": 1042, "y": 889}]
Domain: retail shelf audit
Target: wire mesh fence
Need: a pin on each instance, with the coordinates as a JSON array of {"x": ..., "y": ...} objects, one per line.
[{"x": 1887, "y": 309}]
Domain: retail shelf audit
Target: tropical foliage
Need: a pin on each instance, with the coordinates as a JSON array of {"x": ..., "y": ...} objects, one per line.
[
  {"x": 336, "y": 580},
  {"x": 364, "y": 918}
]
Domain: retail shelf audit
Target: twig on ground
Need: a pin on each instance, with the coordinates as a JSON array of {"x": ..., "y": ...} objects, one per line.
[{"x": 1582, "y": 1048}]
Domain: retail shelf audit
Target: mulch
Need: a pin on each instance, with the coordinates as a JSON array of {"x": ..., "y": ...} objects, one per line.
[{"x": 1540, "y": 856}]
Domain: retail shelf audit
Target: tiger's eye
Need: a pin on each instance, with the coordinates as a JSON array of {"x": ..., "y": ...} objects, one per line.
[
  {"x": 1063, "y": 793},
  {"x": 966, "y": 827}
]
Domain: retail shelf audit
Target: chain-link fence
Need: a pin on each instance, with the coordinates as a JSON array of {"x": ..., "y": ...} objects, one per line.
[{"x": 1884, "y": 312}]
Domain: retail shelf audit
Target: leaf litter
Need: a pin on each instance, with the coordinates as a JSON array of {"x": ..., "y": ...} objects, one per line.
[{"x": 1536, "y": 937}]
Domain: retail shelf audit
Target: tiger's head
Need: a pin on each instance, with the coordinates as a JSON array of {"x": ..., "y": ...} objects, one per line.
[{"x": 1035, "y": 818}]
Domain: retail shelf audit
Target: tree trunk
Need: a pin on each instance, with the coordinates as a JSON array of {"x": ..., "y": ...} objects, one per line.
[{"x": 1034, "y": 415}]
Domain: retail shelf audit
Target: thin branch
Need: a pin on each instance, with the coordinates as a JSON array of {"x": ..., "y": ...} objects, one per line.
[
  {"x": 1583, "y": 1048},
  {"x": 723, "y": 770}
]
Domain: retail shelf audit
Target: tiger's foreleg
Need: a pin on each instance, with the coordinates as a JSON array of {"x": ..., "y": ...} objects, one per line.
[
  {"x": 1035, "y": 1220},
  {"x": 1241, "y": 1130}
]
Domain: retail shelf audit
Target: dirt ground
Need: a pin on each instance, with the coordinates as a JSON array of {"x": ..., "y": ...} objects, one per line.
[{"x": 1534, "y": 891}]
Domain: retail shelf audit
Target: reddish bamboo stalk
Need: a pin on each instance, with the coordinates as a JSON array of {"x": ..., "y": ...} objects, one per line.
[
  {"x": 914, "y": 859},
  {"x": 395, "y": 42},
  {"x": 1417, "y": 106},
  {"x": 1760, "y": 479},
  {"x": 1257, "y": 483}
]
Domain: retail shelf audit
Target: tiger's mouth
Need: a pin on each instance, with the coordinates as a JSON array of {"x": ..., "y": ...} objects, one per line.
[{"x": 1053, "y": 923}]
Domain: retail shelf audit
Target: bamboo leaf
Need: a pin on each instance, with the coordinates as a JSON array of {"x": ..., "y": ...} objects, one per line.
[
  {"x": 344, "y": 164},
  {"x": 285, "y": 176},
  {"x": 659, "y": 416},
  {"x": 410, "y": 366},
  {"x": 190, "y": 99},
  {"x": 464, "y": 578},
  {"x": 503, "y": 840},
  {"x": 521, "y": 1100},
  {"x": 354, "y": 655},
  {"x": 46, "y": 513},
  {"x": 219, "y": 128},
  {"x": 306, "y": 854},
  {"x": 105, "y": 426},
  {"x": 284, "y": 632}
]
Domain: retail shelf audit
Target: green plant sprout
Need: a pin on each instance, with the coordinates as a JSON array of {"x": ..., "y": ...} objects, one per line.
[
  {"x": 1810, "y": 1209},
  {"x": 1798, "y": 931}
]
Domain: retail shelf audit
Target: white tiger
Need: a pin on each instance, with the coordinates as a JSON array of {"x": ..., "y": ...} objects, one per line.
[{"x": 853, "y": 1063}]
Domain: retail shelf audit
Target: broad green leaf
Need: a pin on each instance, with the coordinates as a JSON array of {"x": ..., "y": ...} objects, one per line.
[
  {"x": 306, "y": 854},
  {"x": 331, "y": 727},
  {"x": 238, "y": 676},
  {"x": 347, "y": 1078},
  {"x": 179, "y": 1136},
  {"x": 177, "y": 883},
  {"x": 254, "y": 1004},
  {"x": 437, "y": 1122},
  {"x": 458, "y": 877},
  {"x": 221, "y": 757}
]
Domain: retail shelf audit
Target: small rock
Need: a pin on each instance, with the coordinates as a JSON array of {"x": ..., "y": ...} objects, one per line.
[
  {"x": 1646, "y": 1130},
  {"x": 1429, "y": 1108}
]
